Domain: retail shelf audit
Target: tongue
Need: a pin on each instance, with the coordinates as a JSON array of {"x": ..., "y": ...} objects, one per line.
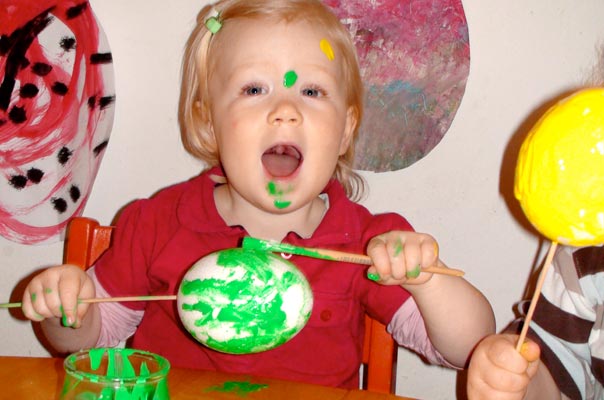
[{"x": 280, "y": 165}]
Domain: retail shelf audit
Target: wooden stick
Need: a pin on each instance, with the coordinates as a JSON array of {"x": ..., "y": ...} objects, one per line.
[
  {"x": 531, "y": 310},
  {"x": 105, "y": 300},
  {"x": 325, "y": 254}
]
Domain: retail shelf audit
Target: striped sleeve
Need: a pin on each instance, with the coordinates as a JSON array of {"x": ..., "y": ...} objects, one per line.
[{"x": 568, "y": 321}]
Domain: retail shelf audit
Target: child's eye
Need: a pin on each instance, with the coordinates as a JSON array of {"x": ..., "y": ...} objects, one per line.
[
  {"x": 253, "y": 90},
  {"x": 313, "y": 92}
]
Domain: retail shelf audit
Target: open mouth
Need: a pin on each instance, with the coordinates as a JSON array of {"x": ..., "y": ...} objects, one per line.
[{"x": 282, "y": 160}]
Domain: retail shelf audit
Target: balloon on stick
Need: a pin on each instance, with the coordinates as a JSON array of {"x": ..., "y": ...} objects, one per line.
[{"x": 559, "y": 179}]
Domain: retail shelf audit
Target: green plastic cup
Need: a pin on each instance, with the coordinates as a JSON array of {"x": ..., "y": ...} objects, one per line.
[{"x": 115, "y": 374}]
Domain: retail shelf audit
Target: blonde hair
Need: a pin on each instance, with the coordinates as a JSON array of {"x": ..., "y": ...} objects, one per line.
[{"x": 194, "y": 106}]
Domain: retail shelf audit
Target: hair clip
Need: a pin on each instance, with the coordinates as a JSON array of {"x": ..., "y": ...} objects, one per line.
[{"x": 212, "y": 22}]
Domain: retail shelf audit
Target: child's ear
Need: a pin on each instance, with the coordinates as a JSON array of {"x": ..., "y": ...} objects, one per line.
[{"x": 349, "y": 128}]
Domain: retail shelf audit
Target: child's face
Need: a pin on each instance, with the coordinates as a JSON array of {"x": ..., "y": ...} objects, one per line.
[{"x": 278, "y": 111}]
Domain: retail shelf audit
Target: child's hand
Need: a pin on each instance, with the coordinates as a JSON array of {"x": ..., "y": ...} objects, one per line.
[
  {"x": 54, "y": 293},
  {"x": 498, "y": 371},
  {"x": 399, "y": 256}
]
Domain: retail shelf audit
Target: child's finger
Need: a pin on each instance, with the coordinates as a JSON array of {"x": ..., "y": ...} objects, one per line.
[
  {"x": 429, "y": 251},
  {"x": 377, "y": 250},
  {"x": 69, "y": 291}
]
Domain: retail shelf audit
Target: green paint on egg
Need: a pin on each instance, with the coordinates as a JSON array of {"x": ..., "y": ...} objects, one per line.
[
  {"x": 290, "y": 78},
  {"x": 243, "y": 301}
]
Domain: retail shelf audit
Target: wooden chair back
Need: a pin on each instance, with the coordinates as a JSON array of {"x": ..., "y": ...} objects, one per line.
[{"x": 86, "y": 240}]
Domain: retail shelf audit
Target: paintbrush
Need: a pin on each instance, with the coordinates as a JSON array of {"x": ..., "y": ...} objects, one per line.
[
  {"x": 325, "y": 254},
  {"x": 105, "y": 300}
]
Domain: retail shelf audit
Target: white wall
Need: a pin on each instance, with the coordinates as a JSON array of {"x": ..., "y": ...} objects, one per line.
[{"x": 523, "y": 53}]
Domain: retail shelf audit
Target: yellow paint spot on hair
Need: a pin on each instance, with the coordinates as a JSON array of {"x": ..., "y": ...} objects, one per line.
[{"x": 326, "y": 48}]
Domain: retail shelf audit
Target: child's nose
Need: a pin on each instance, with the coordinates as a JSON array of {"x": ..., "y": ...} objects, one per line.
[{"x": 285, "y": 112}]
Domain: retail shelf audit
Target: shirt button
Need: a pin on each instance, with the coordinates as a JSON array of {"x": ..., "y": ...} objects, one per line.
[{"x": 325, "y": 315}]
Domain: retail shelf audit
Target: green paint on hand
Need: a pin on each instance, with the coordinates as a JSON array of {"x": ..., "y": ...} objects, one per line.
[
  {"x": 414, "y": 273},
  {"x": 33, "y": 297},
  {"x": 64, "y": 319},
  {"x": 398, "y": 248},
  {"x": 290, "y": 79},
  {"x": 47, "y": 290},
  {"x": 240, "y": 388},
  {"x": 373, "y": 276}
]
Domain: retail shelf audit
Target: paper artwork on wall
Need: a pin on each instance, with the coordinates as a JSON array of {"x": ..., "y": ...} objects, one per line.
[
  {"x": 415, "y": 61},
  {"x": 56, "y": 113}
]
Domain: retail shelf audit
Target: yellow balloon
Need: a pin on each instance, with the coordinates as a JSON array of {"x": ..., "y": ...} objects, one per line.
[{"x": 560, "y": 172}]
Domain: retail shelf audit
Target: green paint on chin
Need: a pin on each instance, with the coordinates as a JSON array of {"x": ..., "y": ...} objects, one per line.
[
  {"x": 282, "y": 204},
  {"x": 237, "y": 387},
  {"x": 276, "y": 191}
]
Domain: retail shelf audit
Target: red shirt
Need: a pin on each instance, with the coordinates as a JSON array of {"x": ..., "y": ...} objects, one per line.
[{"x": 157, "y": 240}]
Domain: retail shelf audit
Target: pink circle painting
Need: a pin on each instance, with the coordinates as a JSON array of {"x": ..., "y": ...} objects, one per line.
[{"x": 415, "y": 60}]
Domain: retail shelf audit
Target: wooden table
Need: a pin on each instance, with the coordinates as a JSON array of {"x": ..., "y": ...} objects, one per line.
[{"x": 41, "y": 378}]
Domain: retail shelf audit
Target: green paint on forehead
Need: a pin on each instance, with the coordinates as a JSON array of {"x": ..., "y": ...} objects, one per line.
[{"x": 290, "y": 79}]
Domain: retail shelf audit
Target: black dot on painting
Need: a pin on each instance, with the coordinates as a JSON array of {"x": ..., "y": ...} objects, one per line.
[
  {"x": 17, "y": 115},
  {"x": 41, "y": 69},
  {"x": 59, "y": 204},
  {"x": 74, "y": 193},
  {"x": 28, "y": 91},
  {"x": 91, "y": 101},
  {"x": 106, "y": 101},
  {"x": 68, "y": 43},
  {"x": 24, "y": 63},
  {"x": 18, "y": 181},
  {"x": 35, "y": 175},
  {"x": 64, "y": 155},
  {"x": 100, "y": 147},
  {"x": 59, "y": 88}
]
